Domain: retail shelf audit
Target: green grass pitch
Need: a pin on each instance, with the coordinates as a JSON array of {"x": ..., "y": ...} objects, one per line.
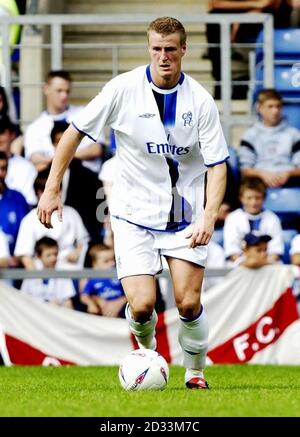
[{"x": 242, "y": 390}]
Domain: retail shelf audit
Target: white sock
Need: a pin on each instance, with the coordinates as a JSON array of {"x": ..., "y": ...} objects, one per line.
[
  {"x": 193, "y": 338},
  {"x": 144, "y": 332}
]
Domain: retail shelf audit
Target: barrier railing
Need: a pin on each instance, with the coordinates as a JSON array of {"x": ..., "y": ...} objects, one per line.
[{"x": 83, "y": 273}]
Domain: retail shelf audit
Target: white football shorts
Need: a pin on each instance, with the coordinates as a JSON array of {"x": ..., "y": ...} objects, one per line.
[{"x": 138, "y": 250}]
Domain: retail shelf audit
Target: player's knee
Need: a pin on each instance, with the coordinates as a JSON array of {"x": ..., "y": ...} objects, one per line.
[
  {"x": 188, "y": 307},
  {"x": 142, "y": 311}
]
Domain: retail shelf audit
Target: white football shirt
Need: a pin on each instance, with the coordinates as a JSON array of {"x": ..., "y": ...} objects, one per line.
[{"x": 161, "y": 157}]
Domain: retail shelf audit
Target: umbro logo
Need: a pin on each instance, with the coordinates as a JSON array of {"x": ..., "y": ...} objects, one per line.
[{"x": 147, "y": 115}]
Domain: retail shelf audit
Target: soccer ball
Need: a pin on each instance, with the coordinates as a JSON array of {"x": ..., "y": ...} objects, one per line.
[{"x": 143, "y": 369}]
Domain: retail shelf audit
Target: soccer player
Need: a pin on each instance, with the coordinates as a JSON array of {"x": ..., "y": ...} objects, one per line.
[{"x": 168, "y": 138}]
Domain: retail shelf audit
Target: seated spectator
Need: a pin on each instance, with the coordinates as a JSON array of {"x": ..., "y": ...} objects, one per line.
[
  {"x": 231, "y": 197},
  {"x": 6, "y": 260},
  {"x": 13, "y": 206},
  {"x": 21, "y": 173},
  {"x": 255, "y": 251},
  {"x": 295, "y": 14},
  {"x": 83, "y": 200},
  {"x": 103, "y": 296},
  {"x": 241, "y": 33},
  {"x": 4, "y": 251},
  {"x": 295, "y": 250},
  {"x": 58, "y": 291},
  {"x": 17, "y": 143},
  {"x": 270, "y": 150},
  {"x": 37, "y": 141},
  {"x": 252, "y": 217},
  {"x": 70, "y": 234},
  {"x": 5, "y": 111}
]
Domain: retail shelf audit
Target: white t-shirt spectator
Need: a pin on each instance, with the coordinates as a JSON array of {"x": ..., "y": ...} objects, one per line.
[
  {"x": 4, "y": 249},
  {"x": 53, "y": 289},
  {"x": 237, "y": 225},
  {"x": 21, "y": 175},
  {"x": 68, "y": 233},
  {"x": 295, "y": 245},
  {"x": 37, "y": 136},
  {"x": 4, "y": 254}
]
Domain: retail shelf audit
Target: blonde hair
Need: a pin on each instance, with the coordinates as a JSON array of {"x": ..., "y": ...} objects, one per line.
[{"x": 167, "y": 26}]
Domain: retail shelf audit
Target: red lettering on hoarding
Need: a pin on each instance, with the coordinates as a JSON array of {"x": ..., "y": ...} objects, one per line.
[{"x": 263, "y": 332}]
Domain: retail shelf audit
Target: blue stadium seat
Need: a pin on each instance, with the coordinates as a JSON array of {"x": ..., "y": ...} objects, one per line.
[
  {"x": 285, "y": 81},
  {"x": 288, "y": 235},
  {"x": 285, "y": 202},
  {"x": 292, "y": 113},
  {"x": 287, "y": 63},
  {"x": 286, "y": 45}
]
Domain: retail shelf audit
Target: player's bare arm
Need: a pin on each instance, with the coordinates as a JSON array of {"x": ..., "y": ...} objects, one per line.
[
  {"x": 50, "y": 200},
  {"x": 215, "y": 189}
]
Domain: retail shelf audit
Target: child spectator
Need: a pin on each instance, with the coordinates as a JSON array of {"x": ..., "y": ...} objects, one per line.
[
  {"x": 255, "y": 253},
  {"x": 252, "y": 217},
  {"x": 270, "y": 149},
  {"x": 103, "y": 296},
  {"x": 58, "y": 291}
]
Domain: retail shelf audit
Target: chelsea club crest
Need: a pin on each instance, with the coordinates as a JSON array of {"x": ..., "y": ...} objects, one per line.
[{"x": 187, "y": 118}]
